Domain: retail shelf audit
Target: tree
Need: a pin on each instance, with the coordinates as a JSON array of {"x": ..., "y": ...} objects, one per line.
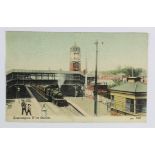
[{"x": 128, "y": 71}]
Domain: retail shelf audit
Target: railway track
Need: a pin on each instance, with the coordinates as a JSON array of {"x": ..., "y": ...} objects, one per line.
[
  {"x": 55, "y": 110},
  {"x": 37, "y": 95}
]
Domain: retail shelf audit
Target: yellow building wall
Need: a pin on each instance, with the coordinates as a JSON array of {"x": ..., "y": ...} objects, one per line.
[{"x": 120, "y": 100}]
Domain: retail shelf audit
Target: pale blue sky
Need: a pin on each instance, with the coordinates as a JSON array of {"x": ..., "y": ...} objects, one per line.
[{"x": 49, "y": 50}]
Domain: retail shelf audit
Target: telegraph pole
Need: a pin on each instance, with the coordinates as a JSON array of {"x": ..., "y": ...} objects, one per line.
[
  {"x": 86, "y": 71},
  {"x": 95, "y": 86}
]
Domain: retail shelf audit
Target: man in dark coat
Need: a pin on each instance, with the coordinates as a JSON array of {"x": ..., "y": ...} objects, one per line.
[{"x": 23, "y": 105}]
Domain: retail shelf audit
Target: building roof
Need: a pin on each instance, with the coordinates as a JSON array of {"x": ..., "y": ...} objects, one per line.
[
  {"x": 131, "y": 87},
  {"x": 43, "y": 71}
]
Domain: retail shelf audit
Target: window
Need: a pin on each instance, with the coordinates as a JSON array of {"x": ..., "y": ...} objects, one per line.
[
  {"x": 129, "y": 105},
  {"x": 141, "y": 105}
]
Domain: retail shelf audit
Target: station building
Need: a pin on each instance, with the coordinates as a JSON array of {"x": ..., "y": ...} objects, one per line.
[
  {"x": 130, "y": 97},
  {"x": 18, "y": 76}
]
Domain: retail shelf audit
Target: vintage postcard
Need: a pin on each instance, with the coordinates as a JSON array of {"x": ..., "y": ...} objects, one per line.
[{"x": 76, "y": 76}]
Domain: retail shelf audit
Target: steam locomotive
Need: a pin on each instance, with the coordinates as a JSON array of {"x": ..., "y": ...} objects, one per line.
[{"x": 53, "y": 94}]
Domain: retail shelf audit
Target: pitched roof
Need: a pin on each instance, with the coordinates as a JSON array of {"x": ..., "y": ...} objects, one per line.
[{"x": 131, "y": 87}]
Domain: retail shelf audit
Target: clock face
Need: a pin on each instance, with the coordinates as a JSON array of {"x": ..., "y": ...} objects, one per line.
[{"x": 76, "y": 56}]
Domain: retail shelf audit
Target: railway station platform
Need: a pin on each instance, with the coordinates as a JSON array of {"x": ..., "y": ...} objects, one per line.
[{"x": 87, "y": 105}]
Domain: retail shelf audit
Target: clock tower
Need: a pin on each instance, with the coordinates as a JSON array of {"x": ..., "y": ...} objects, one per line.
[{"x": 75, "y": 58}]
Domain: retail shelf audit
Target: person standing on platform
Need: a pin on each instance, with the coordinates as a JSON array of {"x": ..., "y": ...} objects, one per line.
[
  {"x": 23, "y": 105},
  {"x": 44, "y": 110},
  {"x": 28, "y": 109}
]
